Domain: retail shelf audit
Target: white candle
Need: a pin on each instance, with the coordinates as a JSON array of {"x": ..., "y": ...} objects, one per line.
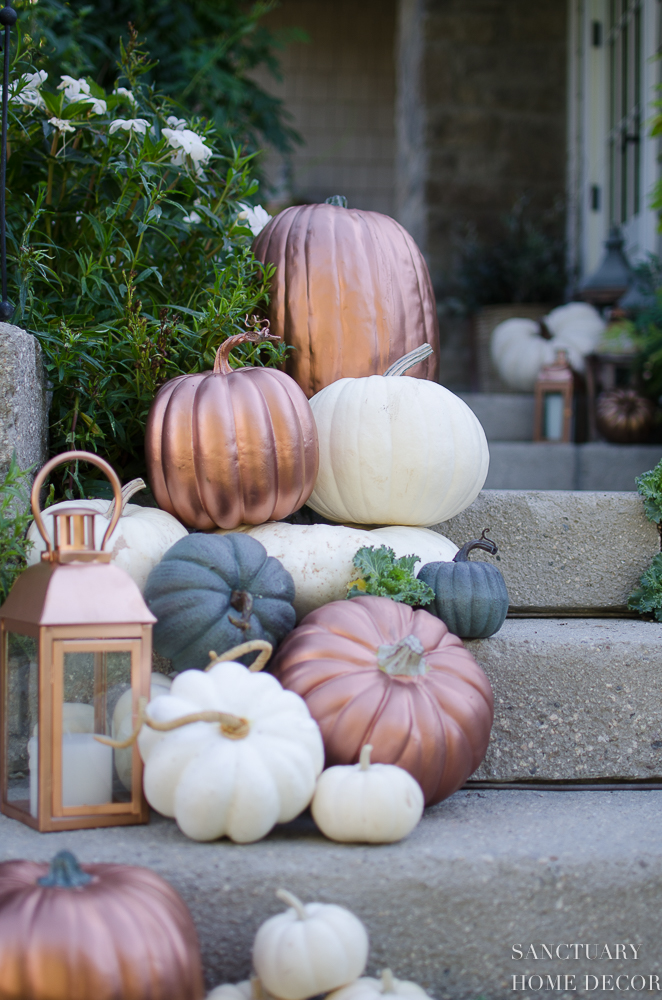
[
  {"x": 87, "y": 771},
  {"x": 553, "y": 416}
]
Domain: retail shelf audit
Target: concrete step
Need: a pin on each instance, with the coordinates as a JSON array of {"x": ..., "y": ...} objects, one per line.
[
  {"x": 563, "y": 553},
  {"x": 518, "y": 465},
  {"x": 483, "y": 872},
  {"x": 576, "y": 700}
]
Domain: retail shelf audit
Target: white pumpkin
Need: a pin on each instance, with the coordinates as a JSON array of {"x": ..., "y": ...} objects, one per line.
[
  {"x": 142, "y": 537},
  {"x": 239, "y": 775},
  {"x": 122, "y": 724},
  {"x": 576, "y": 324},
  {"x": 367, "y": 803},
  {"x": 430, "y": 546},
  {"x": 396, "y": 450},
  {"x": 377, "y": 989},
  {"x": 248, "y": 989},
  {"x": 309, "y": 949}
]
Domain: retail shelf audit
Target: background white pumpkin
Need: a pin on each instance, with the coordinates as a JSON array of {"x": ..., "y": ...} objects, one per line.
[
  {"x": 248, "y": 989},
  {"x": 320, "y": 557},
  {"x": 142, "y": 537},
  {"x": 376, "y": 989},
  {"x": 395, "y": 450},
  {"x": 309, "y": 949},
  {"x": 576, "y": 324},
  {"x": 217, "y": 784},
  {"x": 367, "y": 803}
]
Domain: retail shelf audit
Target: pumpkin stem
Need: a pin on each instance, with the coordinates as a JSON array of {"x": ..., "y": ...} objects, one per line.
[
  {"x": 409, "y": 360},
  {"x": 544, "y": 331},
  {"x": 364, "y": 757},
  {"x": 232, "y": 726},
  {"x": 405, "y": 658},
  {"x": 65, "y": 873},
  {"x": 294, "y": 902},
  {"x": 388, "y": 984},
  {"x": 244, "y": 647},
  {"x": 127, "y": 492},
  {"x": 337, "y": 199},
  {"x": 258, "y": 335},
  {"x": 241, "y": 601},
  {"x": 477, "y": 543}
]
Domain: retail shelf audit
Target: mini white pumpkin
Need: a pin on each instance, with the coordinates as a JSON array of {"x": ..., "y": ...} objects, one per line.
[
  {"x": 122, "y": 725},
  {"x": 576, "y": 324},
  {"x": 377, "y": 989},
  {"x": 367, "y": 803},
  {"x": 396, "y": 450},
  {"x": 254, "y": 766},
  {"x": 309, "y": 949},
  {"x": 142, "y": 537},
  {"x": 248, "y": 989}
]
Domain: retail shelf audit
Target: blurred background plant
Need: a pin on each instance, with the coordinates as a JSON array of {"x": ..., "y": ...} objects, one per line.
[
  {"x": 15, "y": 517},
  {"x": 129, "y": 218}
]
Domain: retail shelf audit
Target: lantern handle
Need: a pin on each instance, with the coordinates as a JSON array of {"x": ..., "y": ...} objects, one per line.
[{"x": 78, "y": 456}]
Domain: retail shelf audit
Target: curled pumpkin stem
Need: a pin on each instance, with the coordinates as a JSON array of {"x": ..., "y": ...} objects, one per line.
[
  {"x": 233, "y": 726},
  {"x": 294, "y": 902},
  {"x": 478, "y": 543},
  {"x": 260, "y": 334},
  {"x": 127, "y": 492},
  {"x": 241, "y": 601},
  {"x": 244, "y": 647}
]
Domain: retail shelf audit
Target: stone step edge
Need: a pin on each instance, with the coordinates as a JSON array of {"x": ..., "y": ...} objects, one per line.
[
  {"x": 566, "y": 785},
  {"x": 615, "y": 611}
]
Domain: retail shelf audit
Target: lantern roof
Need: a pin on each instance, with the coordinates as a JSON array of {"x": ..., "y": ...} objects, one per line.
[
  {"x": 612, "y": 278},
  {"x": 52, "y": 593}
]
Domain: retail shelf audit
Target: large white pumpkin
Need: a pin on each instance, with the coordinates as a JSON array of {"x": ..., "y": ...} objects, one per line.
[
  {"x": 309, "y": 949},
  {"x": 320, "y": 557},
  {"x": 217, "y": 781},
  {"x": 142, "y": 537}
]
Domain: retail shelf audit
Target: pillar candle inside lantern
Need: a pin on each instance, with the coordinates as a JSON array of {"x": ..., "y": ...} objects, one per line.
[{"x": 553, "y": 421}]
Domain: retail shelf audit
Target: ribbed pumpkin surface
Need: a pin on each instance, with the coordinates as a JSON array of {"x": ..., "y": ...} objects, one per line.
[
  {"x": 351, "y": 293},
  {"x": 470, "y": 597}
]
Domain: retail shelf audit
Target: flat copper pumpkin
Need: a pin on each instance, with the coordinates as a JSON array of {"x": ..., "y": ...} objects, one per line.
[
  {"x": 374, "y": 671},
  {"x": 231, "y": 446},
  {"x": 94, "y": 932},
  {"x": 351, "y": 292}
]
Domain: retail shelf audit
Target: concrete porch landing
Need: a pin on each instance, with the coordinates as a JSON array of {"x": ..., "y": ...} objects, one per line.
[{"x": 483, "y": 871}]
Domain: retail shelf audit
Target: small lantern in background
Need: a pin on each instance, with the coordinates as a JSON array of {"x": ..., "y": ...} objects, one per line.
[
  {"x": 554, "y": 395},
  {"x": 75, "y": 649}
]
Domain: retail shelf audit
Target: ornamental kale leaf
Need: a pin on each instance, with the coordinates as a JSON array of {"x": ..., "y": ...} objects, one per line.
[
  {"x": 650, "y": 488},
  {"x": 385, "y": 576},
  {"x": 647, "y": 597}
]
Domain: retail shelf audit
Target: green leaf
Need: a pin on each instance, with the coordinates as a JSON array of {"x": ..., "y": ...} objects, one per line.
[
  {"x": 650, "y": 487},
  {"x": 647, "y": 597},
  {"x": 382, "y": 575}
]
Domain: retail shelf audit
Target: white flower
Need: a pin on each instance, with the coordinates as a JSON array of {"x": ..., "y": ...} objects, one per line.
[
  {"x": 73, "y": 88},
  {"x": 256, "y": 217},
  {"x": 126, "y": 94},
  {"x": 99, "y": 107},
  {"x": 26, "y": 89},
  {"x": 192, "y": 218},
  {"x": 179, "y": 124},
  {"x": 186, "y": 143},
  {"x": 61, "y": 124},
  {"x": 137, "y": 125}
]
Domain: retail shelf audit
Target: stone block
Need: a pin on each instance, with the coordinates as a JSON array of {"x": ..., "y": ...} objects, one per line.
[
  {"x": 604, "y": 466},
  {"x": 562, "y": 552},
  {"x": 504, "y": 416},
  {"x": 23, "y": 399},
  {"x": 519, "y": 465},
  {"x": 575, "y": 700},
  {"x": 481, "y": 872}
]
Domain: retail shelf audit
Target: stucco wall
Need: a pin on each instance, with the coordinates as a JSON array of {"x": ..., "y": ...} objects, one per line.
[{"x": 340, "y": 90}]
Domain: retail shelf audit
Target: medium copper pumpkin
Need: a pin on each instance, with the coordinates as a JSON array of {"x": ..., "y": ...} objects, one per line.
[
  {"x": 94, "y": 932},
  {"x": 374, "y": 671},
  {"x": 351, "y": 293},
  {"x": 231, "y": 446}
]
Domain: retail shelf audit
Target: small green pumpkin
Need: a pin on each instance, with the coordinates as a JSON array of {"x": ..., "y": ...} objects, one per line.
[
  {"x": 215, "y": 592},
  {"x": 470, "y": 597}
]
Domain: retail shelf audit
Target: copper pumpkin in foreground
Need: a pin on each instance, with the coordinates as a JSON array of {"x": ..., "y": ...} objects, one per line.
[
  {"x": 231, "y": 446},
  {"x": 96, "y": 932},
  {"x": 351, "y": 292},
  {"x": 374, "y": 671}
]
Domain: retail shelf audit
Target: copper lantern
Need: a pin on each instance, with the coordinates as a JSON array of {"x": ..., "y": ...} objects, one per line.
[
  {"x": 75, "y": 660},
  {"x": 554, "y": 393}
]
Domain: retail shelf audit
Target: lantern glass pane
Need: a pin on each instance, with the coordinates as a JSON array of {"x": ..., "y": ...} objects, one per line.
[
  {"x": 97, "y": 701},
  {"x": 553, "y": 416},
  {"x": 21, "y": 713}
]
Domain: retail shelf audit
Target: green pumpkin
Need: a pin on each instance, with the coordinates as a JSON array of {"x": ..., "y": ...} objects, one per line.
[
  {"x": 215, "y": 592},
  {"x": 470, "y": 597}
]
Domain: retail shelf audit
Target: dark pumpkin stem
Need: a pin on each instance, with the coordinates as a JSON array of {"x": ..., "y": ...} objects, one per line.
[
  {"x": 242, "y": 602},
  {"x": 337, "y": 199},
  {"x": 477, "y": 543},
  {"x": 65, "y": 873},
  {"x": 544, "y": 330},
  {"x": 258, "y": 335},
  {"x": 405, "y": 658}
]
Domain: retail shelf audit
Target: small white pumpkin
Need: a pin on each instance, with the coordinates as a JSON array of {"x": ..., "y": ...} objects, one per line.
[
  {"x": 122, "y": 724},
  {"x": 367, "y": 803},
  {"x": 576, "y": 324},
  {"x": 396, "y": 450},
  {"x": 309, "y": 949},
  {"x": 377, "y": 989},
  {"x": 248, "y": 989},
  {"x": 254, "y": 766},
  {"x": 142, "y": 537}
]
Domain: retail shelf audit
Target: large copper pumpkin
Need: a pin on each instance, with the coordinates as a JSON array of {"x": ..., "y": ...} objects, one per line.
[
  {"x": 231, "y": 446},
  {"x": 95, "y": 932},
  {"x": 374, "y": 671},
  {"x": 351, "y": 293}
]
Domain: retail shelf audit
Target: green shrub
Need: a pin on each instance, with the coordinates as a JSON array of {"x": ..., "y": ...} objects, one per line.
[
  {"x": 647, "y": 597},
  {"x": 15, "y": 516}
]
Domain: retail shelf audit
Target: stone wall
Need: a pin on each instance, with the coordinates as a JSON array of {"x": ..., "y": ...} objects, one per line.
[
  {"x": 340, "y": 90},
  {"x": 23, "y": 399}
]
